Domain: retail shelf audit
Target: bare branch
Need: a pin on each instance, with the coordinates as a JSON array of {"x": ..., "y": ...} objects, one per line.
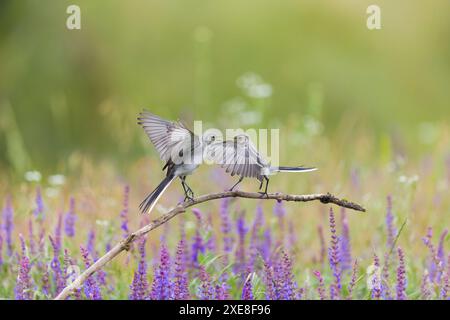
[{"x": 180, "y": 208}]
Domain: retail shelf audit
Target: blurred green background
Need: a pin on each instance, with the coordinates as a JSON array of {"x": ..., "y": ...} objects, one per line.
[{"x": 307, "y": 67}]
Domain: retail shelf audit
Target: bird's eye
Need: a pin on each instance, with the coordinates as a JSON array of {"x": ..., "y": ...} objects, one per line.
[{"x": 213, "y": 138}]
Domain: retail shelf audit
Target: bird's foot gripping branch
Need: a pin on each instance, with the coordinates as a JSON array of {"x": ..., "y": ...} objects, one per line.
[{"x": 180, "y": 208}]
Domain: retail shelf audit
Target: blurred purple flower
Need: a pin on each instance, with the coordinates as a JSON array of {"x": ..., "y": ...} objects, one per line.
[
  {"x": 280, "y": 212},
  {"x": 58, "y": 238},
  {"x": 124, "y": 212},
  {"x": 266, "y": 247},
  {"x": 391, "y": 230},
  {"x": 286, "y": 277},
  {"x": 221, "y": 291},
  {"x": 333, "y": 256},
  {"x": 139, "y": 287},
  {"x": 435, "y": 265},
  {"x": 254, "y": 236},
  {"x": 197, "y": 248},
  {"x": 90, "y": 244},
  {"x": 69, "y": 219},
  {"x": 31, "y": 237},
  {"x": 321, "y": 286},
  {"x": 425, "y": 289},
  {"x": 206, "y": 290},
  {"x": 239, "y": 265},
  {"x": 91, "y": 288},
  {"x": 180, "y": 289},
  {"x": 56, "y": 266},
  {"x": 23, "y": 284},
  {"x": 376, "y": 281},
  {"x": 401, "y": 276},
  {"x": 344, "y": 244},
  {"x": 161, "y": 286},
  {"x": 39, "y": 210},
  {"x": 247, "y": 290},
  {"x": 351, "y": 285},
  {"x": 323, "y": 251},
  {"x": 8, "y": 224},
  {"x": 1, "y": 250},
  {"x": 269, "y": 281},
  {"x": 226, "y": 228}
]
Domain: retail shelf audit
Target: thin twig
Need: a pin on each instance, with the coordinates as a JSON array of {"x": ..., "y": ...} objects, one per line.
[{"x": 126, "y": 242}]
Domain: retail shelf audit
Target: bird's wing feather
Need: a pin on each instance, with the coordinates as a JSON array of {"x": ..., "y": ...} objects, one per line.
[
  {"x": 169, "y": 138},
  {"x": 237, "y": 159}
]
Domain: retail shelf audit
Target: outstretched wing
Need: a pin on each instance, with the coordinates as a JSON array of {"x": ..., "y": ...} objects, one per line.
[
  {"x": 238, "y": 158},
  {"x": 169, "y": 138}
]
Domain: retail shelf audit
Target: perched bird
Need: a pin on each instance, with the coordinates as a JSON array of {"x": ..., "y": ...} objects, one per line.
[
  {"x": 240, "y": 157},
  {"x": 178, "y": 147}
]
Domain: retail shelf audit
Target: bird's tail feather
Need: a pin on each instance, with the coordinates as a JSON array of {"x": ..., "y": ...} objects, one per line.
[
  {"x": 150, "y": 201},
  {"x": 294, "y": 169}
]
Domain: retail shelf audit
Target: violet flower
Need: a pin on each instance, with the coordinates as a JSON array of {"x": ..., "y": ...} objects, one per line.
[
  {"x": 401, "y": 276},
  {"x": 23, "y": 284},
  {"x": 240, "y": 251},
  {"x": 124, "y": 212},
  {"x": 333, "y": 254},
  {"x": 321, "y": 285},
  {"x": 56, "y": 266},
  {"x": 139, "y": 287},
  {"x": 90, "y": 245},
  {"x": 344, "y": 245},
  {"x": 391, "y": 230},
  {"x": 162, "y": 286},
  {"x": 69, "y": 219},
  {"x": 254, "y": 236},
  {"x": 247, "y": 290},
  {"x": 39, "y": 210},
  {"x": 31, "y": 237},
  {"x": 226, "y": 228},
  {"x": 206, "y": 290},
  {"x": 8, "y": 225},
  {"x": 269, "y": 281},
  {"x": 351, "y": 285},
  {"x": 180, "y": 289},
  {"x": 91, "y": 288},
  {"x": 376, "y": 281}
]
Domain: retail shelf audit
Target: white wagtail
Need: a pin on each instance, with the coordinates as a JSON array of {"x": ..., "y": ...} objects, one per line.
[
  {"x": 240, "y": 157},
  {"x": 178, "y": 147}
]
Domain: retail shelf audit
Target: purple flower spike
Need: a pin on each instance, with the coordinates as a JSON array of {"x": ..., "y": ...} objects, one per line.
[
  {"x": 344, "y": 245},
  {"x": 323, "y": 251},
  {"x": 280, "y": 212},
  {"x": 288, "y": 288},
  {"x": 206, "y": 288},
  {"x": 58, "y": 238},
  {"x": 321, "y": 286},
  {"x": 226, "y": 228},
  {"x": 333, "y": 253},
  {"x": 39, "y": 210},
  {"x": 69, "y": 219},
  {"x": 161, "y": 286},
  {"x": 425, "y": 286},
  {"x": 351, "y": 285},
  {"x": 8, "y": 225},
  {"x": 254, "y": 236},
  {"x": 376, "y": 281},
  {"x": 197, "y": 248},
  {"x": 139, "y": 286},
  {"x": 247, "y": 290},
  {"x": 269, "y": 281},
  {"x": 23, "y": 285},
  {"x": 56, "y": 266},
  {"x": 401, "y": 276},
  {"x": 391, "y": 230},
  {"x": 124, "y": 212},
  {"x": 90, "y": 245},
  {"x": 180, "y": 290},
  {"x": 31, "y": 237},
  {"x": 91, "y": 288},
  {"x": 242, "y": 230}
]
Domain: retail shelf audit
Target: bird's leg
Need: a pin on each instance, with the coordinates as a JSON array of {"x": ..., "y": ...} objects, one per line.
[
  {"x": 265, "y": 194},
  {"x": 240, "y": 180},
  {"x": 188, "y": 193}
]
